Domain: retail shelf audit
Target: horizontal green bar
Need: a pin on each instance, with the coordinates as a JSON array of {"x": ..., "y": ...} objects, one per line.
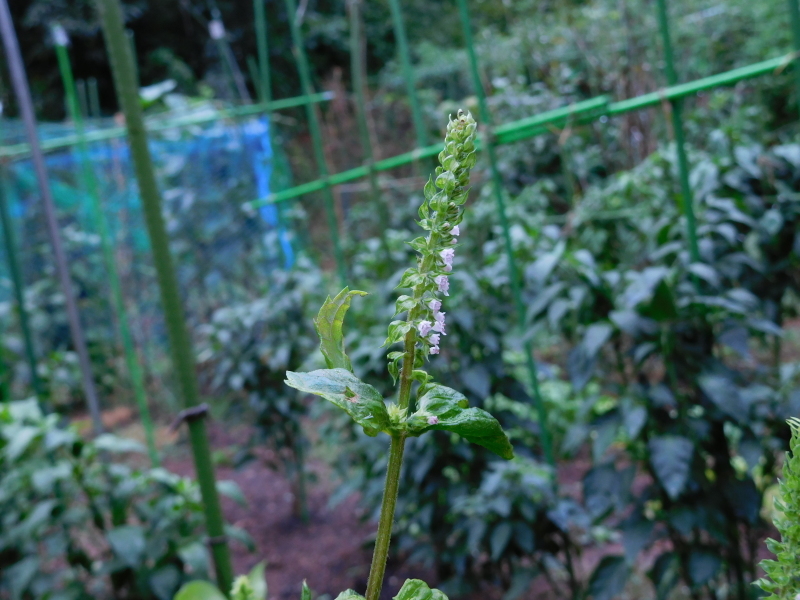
[
  {"x": 687, "y": 89},
  {"x": 17, "y": 150},
  {"x": 578, "y": 114}
]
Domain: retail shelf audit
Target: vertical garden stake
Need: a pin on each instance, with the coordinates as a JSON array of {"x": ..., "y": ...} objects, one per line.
[
  {"x": 316, "y": 135},
  {"x": 101, "y": 225},
  {"x": 357, "y": 72},
  {"x": 408, "y": 73},
  {"x": 23, "y": 94},
  {"x": 677, "y": 126},
  {"x": 19, "y": 288},
  {"x": 122, "y": 67},
  {"x": 794, "y": 17},
  {"x": 497, "y": 184}
]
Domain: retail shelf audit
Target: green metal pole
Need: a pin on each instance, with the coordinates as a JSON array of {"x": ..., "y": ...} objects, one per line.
[
  {"x": 677, "y": 126},
  {"x": 794, "y": 17},
  {"x": 298, "y": 49},
  {"x": 19, "y": 287},
  {"x": 25, "y": 103},
  {"x": 101, "y": 225},
  {"x": 408, "y": 73},
  {"x": 123, "y": 70},
  {"x": 264, "y": 83},
  {"x": 516, "y": 281},
  {"x": 357, "y": 69}
]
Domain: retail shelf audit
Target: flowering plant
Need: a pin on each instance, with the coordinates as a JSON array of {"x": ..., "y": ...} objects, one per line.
[{"x": 435, "y": 407}]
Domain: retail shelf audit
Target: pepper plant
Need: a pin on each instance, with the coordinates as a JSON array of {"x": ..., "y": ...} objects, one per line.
[{"x": 433, "y": 406}]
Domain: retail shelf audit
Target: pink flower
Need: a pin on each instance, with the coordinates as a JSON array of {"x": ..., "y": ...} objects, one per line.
[
  {"x": 447, "y": 256},
  {"x": 424, "y": 327},
  {"x": 433, "y": 420},
  {"x": 455, "y": 231},
  {"x": 435, "y": 305},
  {"x": 434, "y": 339},
  {"x": 443, "y": 283},
  {"x": 434, "y": 349},
  {"x": 438, "y": 326}
]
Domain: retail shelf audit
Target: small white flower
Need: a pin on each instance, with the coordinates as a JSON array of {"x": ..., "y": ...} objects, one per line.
[
  {"x": 435, "y": 305},
  {"x": 434, "y": 349},
  {"x": 434, "y": 339},
  {"x": 455, "y": 231},
  {"x": 433, "y": 420},
  {"x": 447, "y": 268},
  {"x": 439, "y": 316},
  {"x": 424, "y": 327},
  {"x": 443, "y": 283}
]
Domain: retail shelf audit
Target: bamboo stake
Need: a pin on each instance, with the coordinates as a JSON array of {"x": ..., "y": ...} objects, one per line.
[
  {"x": 23, "y": 94},
  {"x": 101, "y": 225},
  {"x": 123, "y": 70},
  {"x": 516, "y": 280}
]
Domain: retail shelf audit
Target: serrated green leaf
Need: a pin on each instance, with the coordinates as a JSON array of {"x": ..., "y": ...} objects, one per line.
[
  {"x": 329, "y": 329},
  {"x": 360, "y": 400},
  {"x": 449, "y": 407},
  {"x": 416, "y": 589}
]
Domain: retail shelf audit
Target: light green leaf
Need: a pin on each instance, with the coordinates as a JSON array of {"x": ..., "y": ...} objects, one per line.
[
  {"x": 415, "y": 589},
  {"x": 199, "y": 590},
  {"x": 450, "y": 413},
  {"x": 361, "y": 401},
  {"x": 329, "y": 323},
  {"x": 349, "y": 595},
  {"x": 258, "y": 580},
  {"x": 22, "y": 438},
  {"x": 305, "y": 594},
  {"x": 113, "y": 443},
  {"x": 231, "y": 489}
]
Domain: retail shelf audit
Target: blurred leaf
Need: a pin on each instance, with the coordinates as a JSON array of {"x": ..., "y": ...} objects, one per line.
[
  {"x": 703, "y": 566},
  {"x": 258, "y": 580},
  {"x": 665, "y": 574},
  {"x": 609, "y": 578},
  {"x": 128, "y": 544},
  {"x": 499, "y": 539},
  {"x": 231, "y": 489},
  {"x": 671, "y": 457}
]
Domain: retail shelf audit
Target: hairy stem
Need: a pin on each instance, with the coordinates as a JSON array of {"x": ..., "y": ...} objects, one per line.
[{"x": 390, "y": 490}]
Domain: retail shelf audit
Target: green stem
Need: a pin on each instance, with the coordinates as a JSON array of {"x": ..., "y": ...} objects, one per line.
[
  {"x": 384, "y": 537},
  {"x": 123, "y": 70}
]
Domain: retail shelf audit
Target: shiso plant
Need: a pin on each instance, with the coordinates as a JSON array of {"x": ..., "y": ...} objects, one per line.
[
  {"x": 420, "y": 404},
  {"x": 782, "y": 580}
]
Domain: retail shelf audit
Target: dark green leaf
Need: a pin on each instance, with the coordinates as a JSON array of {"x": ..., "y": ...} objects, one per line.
[
  {"x": 329, "y": 323},
  {"x": 361, "y": 401},
  {"x": 609, "y": 578},
  {"x": 450, "y": 408},
  {"x": 165, "y": 581},
  {"x": 128, "y": 544},
  {"x": 725, "y": 394},
  {"x": 499, "y": 539},
  {"x": 703, "y": 565},
  {"x": 305, "y": 593},
  {"x": 671, "y": 457},
  {"x": 665, "y": 574}
]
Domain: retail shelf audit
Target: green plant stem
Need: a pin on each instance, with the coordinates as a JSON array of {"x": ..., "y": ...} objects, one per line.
[
  {"x": 123, "y": 69},
  {"x": 794, "y": 18},
  {"x": 384, "y": 536}
]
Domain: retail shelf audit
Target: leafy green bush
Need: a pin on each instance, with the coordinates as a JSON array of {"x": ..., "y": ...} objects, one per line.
[{"x": 76, "y": 524}]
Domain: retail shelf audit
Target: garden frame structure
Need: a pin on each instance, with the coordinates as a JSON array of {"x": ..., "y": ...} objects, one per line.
[{"x": 491, "y": 136}]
